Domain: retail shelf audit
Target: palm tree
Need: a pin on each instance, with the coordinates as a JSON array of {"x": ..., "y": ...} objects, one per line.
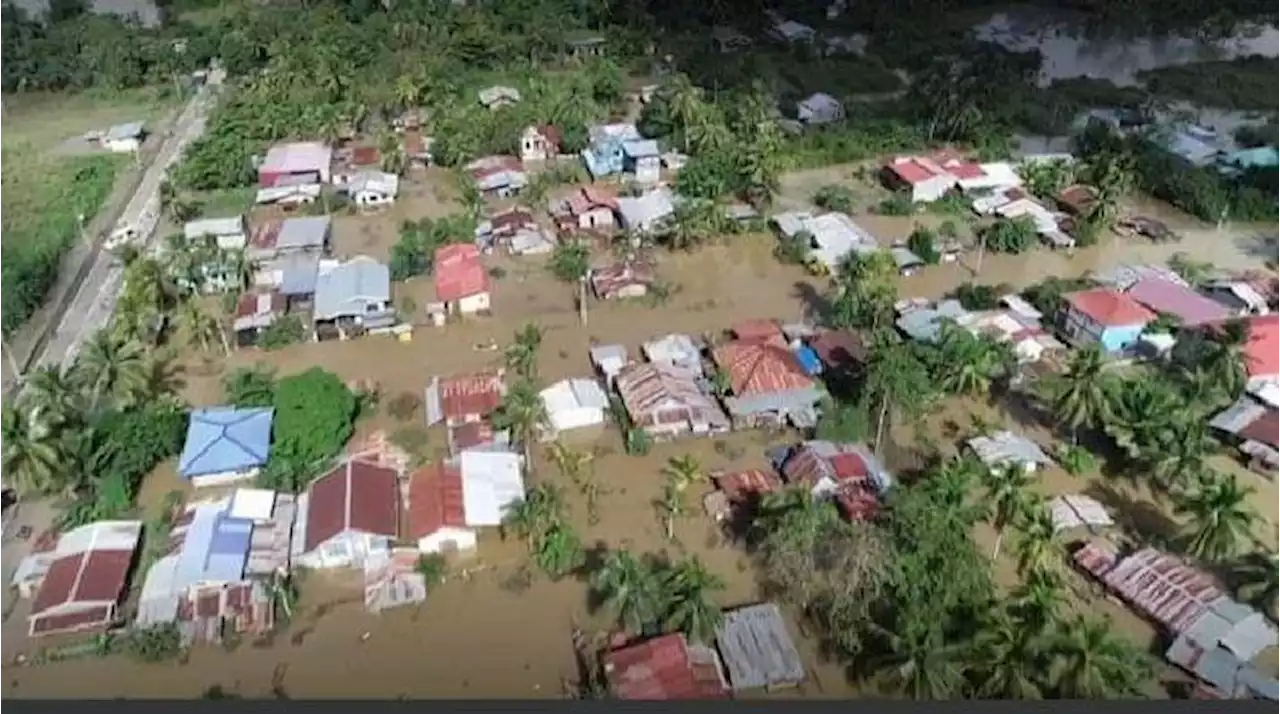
[
  {"x": 691, "y": 609},
  {"x": 1226, "y": 362},
  {"x": 1039, "y": 599},
  {"x": 202, "y": 328},
  {"x": 50, "y": 391},
  {"x": 1009, "y": 657},
  {"x": 1035, "y": 547},
  {"x": 1180, "y": 456},
  {"x": 683, "y": 471},
  {"x": 1256, "y": 579},
  {"x": 111, "y": 369},
  {"x": 693, "y": 222},
  {"x": 670, "y": 507},
  {"x": 524, "y": 413},
  {"x": 1219, "y": 518},
  {"x": 953, "y": 483},
  {"x": 631, "y": 590},
  {"x": 394, "y": 158},
  {"x": 559, "y": 551},
  {"x": 967, "y": 363},
  {"x": 1006, "y": 487},
  {"x": 1090, "y": 663},
  {"x": 1079, "y": 396},
  {"x": 1113, "y": 175},
  {"x": 163, "y": 377},
  {"x": 569, "y": 462},
  {"x": 33, "y": 458},
  {"x": 914, "y": 660},
  {"x": 522, "y": 354},
  {"x": 686, "y": 104}
]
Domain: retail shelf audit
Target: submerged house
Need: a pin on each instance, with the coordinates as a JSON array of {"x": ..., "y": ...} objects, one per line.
[
  {"x": 87, "y": 576},
  {"x": 462, "y": 283},
  {"x": 255, "y": 312},
  {"x": 665, "y": 668},
  {"x": 225, "y": 445},
  {"x": 347, "y": 514},
  {"x": 667, "y": 401},
  {"x": 307, "y": 162},
  {"x": 767, "y": 385},
  {"x": 605, "y": 154},
  {"x": 1105, "y": 316},
  {"x": 290, "y": 236},
  {"x": 353, "y": 296}
]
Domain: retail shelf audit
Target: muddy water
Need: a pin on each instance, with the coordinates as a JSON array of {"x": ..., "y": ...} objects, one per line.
[
  {"x": 482, "y": 633},
  {"x": 1067, "y": 53}
]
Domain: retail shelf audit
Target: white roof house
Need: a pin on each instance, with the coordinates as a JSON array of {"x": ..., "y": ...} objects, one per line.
[
  {"x": 677, "y": 350},
  {"x": 492, "y": 482},
  {"x": 609, "y": 360},
  {"x": 646, "y": 213},
  {"x": 1073, "y": 510},
  {"x": 792, "y": 31},
  {"x": 1005, "y": 447},
  {"x": 819, "y": 108},
  {"x": 227, "y": 232},
  {"x": 373, "y": 187},
  {"x": 835, "y": 235},
  {"x": 574, "y": 404},
  {"x": 999, "y": 175}
]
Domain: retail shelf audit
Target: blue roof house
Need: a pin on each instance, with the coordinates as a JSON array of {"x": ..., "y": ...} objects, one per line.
[{"x": 225, "y": 444}]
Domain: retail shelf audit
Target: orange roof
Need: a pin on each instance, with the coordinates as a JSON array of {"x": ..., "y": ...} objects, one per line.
[
  {"x": 1110, "y": 308},
  {"x": 459, "y": 272},
  {"x": 761, "y": 368}
]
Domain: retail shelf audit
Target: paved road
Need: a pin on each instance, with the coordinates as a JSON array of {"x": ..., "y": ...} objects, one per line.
[{"x": 96, "y": 297}]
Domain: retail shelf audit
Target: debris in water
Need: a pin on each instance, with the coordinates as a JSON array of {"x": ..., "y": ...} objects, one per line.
[{"x": 365, "y": 637}]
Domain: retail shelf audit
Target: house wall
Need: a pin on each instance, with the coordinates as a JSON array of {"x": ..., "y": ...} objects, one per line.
[
  {"x": 931, "y": 190},
  {"x": 648, "y": 170},
  {"x": 122, "y": 146},
  {"x": 448, "y": 540},
  {"x": 84, "y": 607},
  {"x": 372, "y": 198},
  {"x": 767, "y": 407},
  {"x": 347, "y": 549},
  {"x": 665, "y": 423},
  {"x": 472, "y": 304},
  {"x": 232, "y": 241},
  {"x": 533, "y": 148},
  {"x": 577, "y": 418},
  {"x": 597, "y": 218},
  {"x": 224, "y": 477}
]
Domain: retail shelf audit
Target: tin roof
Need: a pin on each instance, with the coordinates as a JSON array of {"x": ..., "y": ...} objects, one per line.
[
  {"x": 356, "y": 496},
  {"x": 91, "y": 565},
  {"x": 761, "y": 368},
  {"x": 435, "y": 500},
  {"x": 1186, "y": 304},
  {"x": 221, "y": 439},
  {"x": 459, "y": 272},
  {"x": 1110, "y": 308},
  {"x": 664, "y": 668}
]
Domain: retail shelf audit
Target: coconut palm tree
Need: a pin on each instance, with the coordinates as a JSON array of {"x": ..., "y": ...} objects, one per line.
[
  {"x": 163, "y": 377},
  {"x": 693, "y": 223},
  {"x": 523, "y": 412},
  {"x": 1009, "y": 658},
  {"x": 202, "y": 328},
  {"x": 1181, "y": 456},
  {"x": 1091, "y": 663},
  {"x": 394, "y": 158},
  {"x": 1219, "y": 518},
  {"x": 691, "y": 609},
  {"x": 1078, "y": 397},
  {"x": 967, "y": 363},
  {"x": 683, "y": 471},
  {"x": 1138, "y": 414},
  {"x": 559, "y": 551},
  {"x": 1035, "y": 547},
  {"x": 1006, "y": 490},
  {"x": 670, "y": 507},
  {"x": 522, "y": 354},
  {"x": 632, "y": 590},
  {"x": 688, "y": 108},
  {"x": 34, "y": 460},
  {"x": 912, "y": 659},
  {"x": 1039, "y": 599},
  {"x": 1256, "y": 580},
  {"x": 51, "y": 392},
  {"x": 954, "y": 482},
  {"x": 111, "y": 369},
  {"x": 1226, "y": 361}
]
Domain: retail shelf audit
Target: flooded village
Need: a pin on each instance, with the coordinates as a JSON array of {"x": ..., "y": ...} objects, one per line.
[{"x": 413, "y": 419}]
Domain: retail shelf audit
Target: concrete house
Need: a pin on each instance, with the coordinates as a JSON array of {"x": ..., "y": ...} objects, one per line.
[
  {"x": 124, "y": 138},
  {"x": 462, "y": 283},
  {"x": 306, "y": 162},
  {"x": 588, "y": 208},
  {"x": 539, "y": 143},
  {"x": 227, "y": 233},
  {"x": 575, "y": 404},
  {"x": 225, "y": 445},
  {"x": 372, "y": 188},
  {"x": 86, "y": 578},
  {"x": 667, "y": 402},
  {"x": 437, "y": 514},
  {"x": 768, "y": 385},
  {"x": 1104, "y": 316},
  {"x": 605, "y": 154},
  {"x": 347, "y": 514},
  {"x": 820, "y": 108},
  {"x": 357, "y": 293},
  {"x": 643, "y": 159}
]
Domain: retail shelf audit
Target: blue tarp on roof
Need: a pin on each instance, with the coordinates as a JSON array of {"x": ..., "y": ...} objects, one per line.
[
  {"x": 809, "y": 360},
  {"x": 222, "y": 439}
]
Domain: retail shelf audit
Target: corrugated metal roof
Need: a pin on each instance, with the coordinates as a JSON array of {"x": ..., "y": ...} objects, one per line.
[
  {"x": 222, "y": 439},
  {"x": 757, "y": 649}
]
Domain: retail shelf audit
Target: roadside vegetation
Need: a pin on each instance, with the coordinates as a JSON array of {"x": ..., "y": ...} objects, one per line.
[{"x": 1241, "y": 84}]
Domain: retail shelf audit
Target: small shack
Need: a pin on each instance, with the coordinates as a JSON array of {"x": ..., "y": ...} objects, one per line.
[{"x": 757, "y": 649}]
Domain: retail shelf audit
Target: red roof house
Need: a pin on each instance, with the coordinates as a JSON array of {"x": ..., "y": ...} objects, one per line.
[
  {"x": 1105, "y": 316},
  {"x": 767, "y": 382},
  {"x": 461, "y": 280},
  {"x": 665, "y": 668},
  {"x": 1262, "y": 350},
  {"x": 350, "y": 511},
  {"x": 1184, "y": 303},
  {"x": 848, "y": 473},
  {"x": 86, "y": 578},
  {"x": 437, "y": 515},
  {"x": 464, "y": 398}
]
